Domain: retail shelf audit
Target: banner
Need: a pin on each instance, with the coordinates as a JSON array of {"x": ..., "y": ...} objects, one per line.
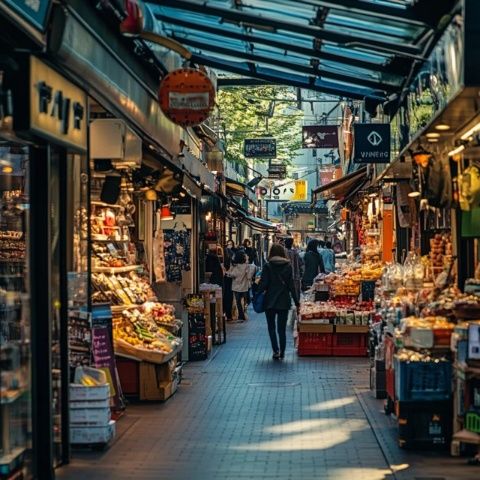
[
  {"x": 320, "y": 136},
  {"x": 301, "y": 191},
  {"x": 371, "y": 143}
]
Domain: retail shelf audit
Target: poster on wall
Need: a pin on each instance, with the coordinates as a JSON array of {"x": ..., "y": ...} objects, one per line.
[
  {"x": 320, "y": 136},
  {"x": 177, "y": 246}
]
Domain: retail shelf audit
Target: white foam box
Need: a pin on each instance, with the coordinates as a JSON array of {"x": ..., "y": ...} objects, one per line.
[
  {"x": 81, "y": 392},
  {"x": 90, "y": 403},
  {"x": 90, "y": 416},
  {"x": 92, "y": 434}
]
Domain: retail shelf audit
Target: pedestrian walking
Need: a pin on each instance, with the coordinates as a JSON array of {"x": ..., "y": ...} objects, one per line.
[
  {"x": 313, "y": 264},
  {"x": 241, "y": 273},
  {"x": 328, "y": 256},
  {"x": 296, "y": 262},
  {"x": 277, "y": 283},
  {"x": 250, "y": 251},
  {"x": 228, "y": 257}
]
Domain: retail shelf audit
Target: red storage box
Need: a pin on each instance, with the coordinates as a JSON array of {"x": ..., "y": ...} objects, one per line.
[
  {"x": 350, "y": 344},
  {"x": 315, "y": 343}
]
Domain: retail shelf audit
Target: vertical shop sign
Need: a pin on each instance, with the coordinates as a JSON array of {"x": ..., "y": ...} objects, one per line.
[
  {"x": 371, "y": 143},
  {"x": 58, "y": 109},
  {"x": 301, "y": 191}
]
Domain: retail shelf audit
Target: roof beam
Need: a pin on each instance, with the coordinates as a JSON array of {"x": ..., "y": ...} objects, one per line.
[
  {"x": 320, "y": 72},
  {"x": 311, "y": 31},
  {"x": 242, "y": 82},
  {"x": 292, "y": 47},
  {"x": 370, "y": 9},
  {"x": 282, "y": 78}
]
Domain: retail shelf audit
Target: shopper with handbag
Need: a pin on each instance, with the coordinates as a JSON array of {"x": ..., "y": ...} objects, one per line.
[
  {"x": 241, "y": 272},
  {"x": 278, "y": 288}
]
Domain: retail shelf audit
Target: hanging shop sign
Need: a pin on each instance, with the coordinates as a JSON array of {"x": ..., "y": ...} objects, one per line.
[
  {"x": 260, "y": 147},
  {"x": 187, "y": 96},
  {"x": 34, "y": 11},
  {"x": 320, "y": 136},
  {"x": 371, "y": 143},
  {"x": 58, "y": 109}
]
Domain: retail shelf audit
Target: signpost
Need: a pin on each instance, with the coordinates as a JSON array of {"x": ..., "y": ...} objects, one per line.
[{"x": 371, "y": 143}]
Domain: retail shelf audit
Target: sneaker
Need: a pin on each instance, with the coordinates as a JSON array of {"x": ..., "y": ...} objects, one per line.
[{"x": 276, "y": 355}]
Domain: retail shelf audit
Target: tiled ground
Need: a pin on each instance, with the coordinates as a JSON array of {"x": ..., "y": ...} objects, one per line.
[{"x": 241, "y": 415}]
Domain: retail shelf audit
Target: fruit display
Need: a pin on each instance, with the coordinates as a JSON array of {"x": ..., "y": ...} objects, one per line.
[
  {"x": 338, "y": 313},
  {"x": 407, "y": 355},
  {"x": 143, "y": 330},
  {"x": 107, "y": 256},
  {"x": 121, "y": 288}
]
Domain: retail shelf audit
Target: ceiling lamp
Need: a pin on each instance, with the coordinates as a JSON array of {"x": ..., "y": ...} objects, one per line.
[
  {"x": 443, "y": 127},
  {"x": 432, "y": 135},
  {"x": 166, "y": 213},
  {"x": 151, "y": 195},
  {"x": 456, "y": 151},
  {"x": 471, "y": 132}
]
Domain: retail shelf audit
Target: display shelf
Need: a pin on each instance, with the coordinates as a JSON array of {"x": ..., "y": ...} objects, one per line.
[
  {"x": 112, "y": 270},
  {"x": 109, "y": 241},
  {"x": 105, "y": 205},
  {"x": 11, "y": 461},
  {"x": 466, "y": 436},
  {"x": 164, "y": 359},
  {"x": 11, "y": 399}
]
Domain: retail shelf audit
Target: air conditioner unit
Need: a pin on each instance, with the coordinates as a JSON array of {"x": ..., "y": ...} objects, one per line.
[{"x": 112, "y": 139}]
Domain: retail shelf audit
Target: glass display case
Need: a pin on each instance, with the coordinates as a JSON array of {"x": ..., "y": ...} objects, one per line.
[{"x": 15, "y": 340}]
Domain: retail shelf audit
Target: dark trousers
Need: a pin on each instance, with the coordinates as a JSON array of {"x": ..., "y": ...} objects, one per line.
[
  {"x": 280, "y": 327},
  {"x": 238, "y": 299},
  {"x": 227, "y": 297}
]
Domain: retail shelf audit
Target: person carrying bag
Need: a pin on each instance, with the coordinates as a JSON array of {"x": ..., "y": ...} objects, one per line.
[{"x": 278, "y": 289}]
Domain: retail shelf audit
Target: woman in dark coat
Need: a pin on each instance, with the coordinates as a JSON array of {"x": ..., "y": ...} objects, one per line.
[
  {"x": 313, "y": 264},
  {"x": 277, "y": 283}
]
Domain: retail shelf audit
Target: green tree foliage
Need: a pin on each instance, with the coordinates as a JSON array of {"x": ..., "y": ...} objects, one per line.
[{"x": 264, "y": 111}]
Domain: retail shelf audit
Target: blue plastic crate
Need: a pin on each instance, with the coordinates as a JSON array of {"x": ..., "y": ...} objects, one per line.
[{"x": 423, "y": 381}]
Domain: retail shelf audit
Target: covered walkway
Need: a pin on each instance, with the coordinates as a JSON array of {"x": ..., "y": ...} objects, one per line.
[{"x": 240, "y": 415}]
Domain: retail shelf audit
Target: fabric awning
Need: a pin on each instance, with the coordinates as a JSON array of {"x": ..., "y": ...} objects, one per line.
[
  {"x": 253, "y": 222},
  {"x": 339, "y": 189},
  {"x": 398, "y": 171},
  {"x": 239, "y": 189}
]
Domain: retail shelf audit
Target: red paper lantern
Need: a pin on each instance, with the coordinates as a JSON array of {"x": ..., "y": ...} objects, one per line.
[
  {"x": 187, "y": 96},
  {"x": 166, "y": 213}
]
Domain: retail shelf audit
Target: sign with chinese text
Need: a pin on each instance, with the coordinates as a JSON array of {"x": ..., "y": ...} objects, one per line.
[
  {"x": 58, "y": 109},
  {"x": 34, "y": 11},
  {"x": 371, "y": 143},
  {"x": 260, "y": 147},
  {"x": 320, "y": 136}
]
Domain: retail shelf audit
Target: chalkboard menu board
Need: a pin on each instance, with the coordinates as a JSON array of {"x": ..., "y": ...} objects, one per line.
[
  {"x": 103, "y": 352},
  {"x": 197, "y": 339}
]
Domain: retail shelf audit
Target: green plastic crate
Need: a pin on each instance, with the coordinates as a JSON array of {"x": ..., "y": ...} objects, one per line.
[{"x": 472, "y": 422}]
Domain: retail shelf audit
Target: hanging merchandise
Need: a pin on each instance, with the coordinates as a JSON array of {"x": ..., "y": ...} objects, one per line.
[
  {"x": 159, "y": 257},
  {"x": 438, "y": 183},
  {"x": 177, "y": 253},
  {"x": 469, "y": 188}
]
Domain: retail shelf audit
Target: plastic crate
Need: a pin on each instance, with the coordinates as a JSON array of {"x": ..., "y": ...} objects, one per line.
[
  {"x": 472, "y": 422},
  {"x": 423, "y": 425},
  {"x": 423, "y": 381},
  {"x": 350, "y": 344},
  {"x": 315, "y": 343}
]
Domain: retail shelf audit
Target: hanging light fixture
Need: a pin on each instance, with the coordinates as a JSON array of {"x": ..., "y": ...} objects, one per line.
[{"x": 166, "y": 213}]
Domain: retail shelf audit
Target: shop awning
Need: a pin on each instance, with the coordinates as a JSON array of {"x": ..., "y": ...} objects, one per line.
[
  {"x": 341, "y": 188},
  {"x": 349, "y": 48},
  {"x": 239, "y": 189},
  {"x": 396, "y": 172},
  {"x": 258, "y": 223}
]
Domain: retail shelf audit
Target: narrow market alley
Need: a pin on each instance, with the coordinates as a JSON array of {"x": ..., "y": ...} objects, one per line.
[{"x": 242, "y": 415}]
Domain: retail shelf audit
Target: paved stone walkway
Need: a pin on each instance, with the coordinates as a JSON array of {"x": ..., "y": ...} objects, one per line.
[{"x": 241, "y": 415}]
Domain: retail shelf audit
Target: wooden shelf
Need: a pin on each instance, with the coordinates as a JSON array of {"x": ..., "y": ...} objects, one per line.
[
  {"x": 466, "y": 436},
  {"x": 112, "y": 270},
  {"x": 106, "y": 205}
]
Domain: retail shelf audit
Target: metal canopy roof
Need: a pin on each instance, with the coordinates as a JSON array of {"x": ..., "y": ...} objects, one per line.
[{"x": 350, "y": 48}]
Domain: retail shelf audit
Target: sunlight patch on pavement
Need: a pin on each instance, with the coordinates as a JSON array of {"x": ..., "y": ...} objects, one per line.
[
  {"x": 331, "y": 404},
  {"x": 313, "y": 434}
]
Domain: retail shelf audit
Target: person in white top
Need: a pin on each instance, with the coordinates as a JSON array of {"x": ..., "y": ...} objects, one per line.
[{"x": 242, "y": 273}]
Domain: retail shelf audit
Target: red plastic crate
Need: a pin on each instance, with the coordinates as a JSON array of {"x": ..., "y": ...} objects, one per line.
[
  {"x": 313, "y": 343},
  {"x": 350, "y": 344}
]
